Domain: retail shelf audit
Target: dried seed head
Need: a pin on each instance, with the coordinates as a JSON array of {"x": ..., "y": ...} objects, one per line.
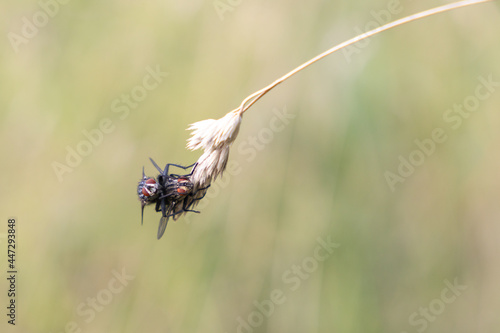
[
  {"x": 215, "y": 138},
  {"x": 212, "y": 134}
]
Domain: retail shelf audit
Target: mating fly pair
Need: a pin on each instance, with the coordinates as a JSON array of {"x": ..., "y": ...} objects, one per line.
[{"x": 173, "y": 194}]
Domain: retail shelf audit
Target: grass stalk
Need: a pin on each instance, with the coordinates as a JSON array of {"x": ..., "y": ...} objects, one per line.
[{"x": 250, "y": 100}]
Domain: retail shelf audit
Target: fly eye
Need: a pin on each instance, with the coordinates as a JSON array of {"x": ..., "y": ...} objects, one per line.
[
  {"x": 182, "y": 190},
  {"x": 145, "y": 192},
  {"x": 150, "y": 187}
]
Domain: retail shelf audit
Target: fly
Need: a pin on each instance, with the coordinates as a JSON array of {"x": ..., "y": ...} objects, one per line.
[{"x": 172, "y": 194}]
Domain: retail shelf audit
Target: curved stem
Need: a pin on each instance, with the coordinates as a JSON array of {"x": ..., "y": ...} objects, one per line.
[{"x": 250, "y": 100}]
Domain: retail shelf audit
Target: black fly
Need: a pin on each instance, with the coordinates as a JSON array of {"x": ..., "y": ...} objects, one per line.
[{"x": 173, "y": 194}]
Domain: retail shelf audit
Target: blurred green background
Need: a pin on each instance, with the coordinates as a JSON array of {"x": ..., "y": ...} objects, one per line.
[{"x": 322, "y": 176}]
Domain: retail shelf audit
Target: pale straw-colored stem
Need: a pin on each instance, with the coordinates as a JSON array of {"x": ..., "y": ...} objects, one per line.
[{"x": 250, "y": 100}]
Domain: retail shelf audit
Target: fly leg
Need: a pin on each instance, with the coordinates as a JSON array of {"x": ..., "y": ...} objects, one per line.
[{"x": 186, "y": 206}]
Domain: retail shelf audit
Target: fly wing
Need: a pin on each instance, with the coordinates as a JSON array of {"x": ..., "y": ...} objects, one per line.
[
  {"x": 178, "y": 211},
  {"x": 162, "y": 226},
  {"x": 166, "y": 213}
]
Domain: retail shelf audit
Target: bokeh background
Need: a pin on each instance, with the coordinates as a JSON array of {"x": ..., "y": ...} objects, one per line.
[{"x": 322, "y": 175}]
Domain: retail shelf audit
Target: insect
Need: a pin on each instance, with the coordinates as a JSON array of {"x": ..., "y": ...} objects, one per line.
[{"x": 172, "y": 194}]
